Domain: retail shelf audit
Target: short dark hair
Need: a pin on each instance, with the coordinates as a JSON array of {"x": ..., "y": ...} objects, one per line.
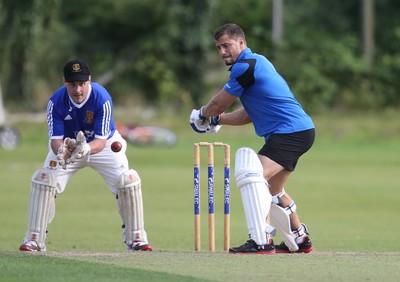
[{"x": 231, "y": 29}]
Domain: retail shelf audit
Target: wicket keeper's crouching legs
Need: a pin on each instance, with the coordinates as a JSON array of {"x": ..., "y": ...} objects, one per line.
[
  {"x": 40, "y": 211},
  {"x": 130, "y": 206},
  {"x": 52, "y": 180}
]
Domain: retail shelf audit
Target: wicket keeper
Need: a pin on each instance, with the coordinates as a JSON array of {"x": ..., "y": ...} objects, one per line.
[{"x": 81, "y": 130}]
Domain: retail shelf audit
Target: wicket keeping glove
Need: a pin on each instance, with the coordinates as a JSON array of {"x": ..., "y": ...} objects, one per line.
[
  {"x": 65, "y": 151},
  {"x": 81, "y": 150}
]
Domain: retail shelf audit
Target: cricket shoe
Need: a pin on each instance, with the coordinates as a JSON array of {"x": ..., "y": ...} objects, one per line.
[
  {"x": 251, "y": 247},
  {"x": 140, "y": 246},
  {"x": 31, "y": 246},
  {"x": 305, "y": 247}
]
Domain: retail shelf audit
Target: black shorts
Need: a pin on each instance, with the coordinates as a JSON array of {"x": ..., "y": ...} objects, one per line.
[{"x": 286, "y": 149}]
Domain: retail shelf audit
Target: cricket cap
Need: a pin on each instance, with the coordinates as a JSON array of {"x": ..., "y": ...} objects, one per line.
[{"x": 76, "y": 70}]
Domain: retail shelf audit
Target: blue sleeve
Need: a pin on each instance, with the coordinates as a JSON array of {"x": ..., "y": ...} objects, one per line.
[
  {"x": 55, "y": 122},
  {"x": 242, "y": 76},
  {"x": 104, "y": 124}
]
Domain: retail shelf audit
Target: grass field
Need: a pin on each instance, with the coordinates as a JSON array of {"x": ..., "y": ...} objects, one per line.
[{"x": 346, "y": 190}]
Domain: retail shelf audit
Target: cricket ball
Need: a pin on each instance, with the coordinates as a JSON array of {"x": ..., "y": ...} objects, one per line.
[{"x": 116, "y": 146}]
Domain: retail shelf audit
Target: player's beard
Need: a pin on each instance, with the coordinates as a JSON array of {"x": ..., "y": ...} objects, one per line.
[{"x": 228, "y": 60}]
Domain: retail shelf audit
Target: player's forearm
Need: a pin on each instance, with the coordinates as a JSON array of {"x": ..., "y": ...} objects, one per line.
[
  {"x": 55, "y": 144},
  {"x": 218, "y": 104},
  {"x": 97, "y": 145},
  {"x": 238, "y": 117},
  {"x": 213, "y": 109}
]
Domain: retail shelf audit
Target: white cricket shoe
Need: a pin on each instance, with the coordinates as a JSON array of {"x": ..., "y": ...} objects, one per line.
[
  {"x": 139, "y": 246},
  {"x": 31, "y": 246}
]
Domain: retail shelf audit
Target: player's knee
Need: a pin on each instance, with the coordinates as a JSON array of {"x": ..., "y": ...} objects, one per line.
[
  {"x": 277, "y": 199},
  {"x": 248, "y": 168},
  {"x": 128, "y": 179},
  {"x": 45, "y": 177},
  {"x": 283, "y": 200}
]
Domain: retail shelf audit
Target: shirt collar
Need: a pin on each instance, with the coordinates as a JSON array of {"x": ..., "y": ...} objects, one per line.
[
  {"x": 84, "y": 101},
  {"x": 241, "y": 56}
]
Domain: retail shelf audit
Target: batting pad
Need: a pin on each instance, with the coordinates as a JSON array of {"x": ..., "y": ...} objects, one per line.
[
  {"x": 255, "y": 194},
  {"x": 130, "y": 206},
  {"x": 41, "y": 206},
  {"x": 281, "y": 219}
]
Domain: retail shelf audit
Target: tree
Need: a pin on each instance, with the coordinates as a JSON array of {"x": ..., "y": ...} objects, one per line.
[
  {"x": 277, "y": 22},
  {"x": 15, "y": 30},
  {"x": 157, "y": 47},
  {"x": 160, "y": 49},
  {"x": 368, "y": 30},
  {"x": 26, "y": 49}
]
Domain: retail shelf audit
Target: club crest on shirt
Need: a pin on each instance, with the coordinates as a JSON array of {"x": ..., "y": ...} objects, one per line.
[{"x": 89, "y": 117}]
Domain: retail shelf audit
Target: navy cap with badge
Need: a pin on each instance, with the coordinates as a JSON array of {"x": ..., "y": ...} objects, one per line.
[{"x": 76, "y": 70}]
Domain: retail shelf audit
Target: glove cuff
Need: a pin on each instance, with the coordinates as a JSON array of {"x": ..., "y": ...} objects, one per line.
[
  {"x": 215, "y": 120},
  {"x": 86, "y": 149},
  {"x": 201, "y": 116}
]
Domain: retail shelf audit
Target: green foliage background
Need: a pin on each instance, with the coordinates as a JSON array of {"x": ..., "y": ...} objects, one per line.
[{"x": 151, "y": 52}]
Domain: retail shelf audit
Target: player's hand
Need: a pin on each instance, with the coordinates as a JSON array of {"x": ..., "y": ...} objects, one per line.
[
  {"x": 198, "y": 122},
  {"x": 214, "y": 120},
  {"x": 202, "y": 124},
  {"x": 65, "y": 151},
  {"x": 81, "y": 150},
  {"x": 212, "y": 129}
]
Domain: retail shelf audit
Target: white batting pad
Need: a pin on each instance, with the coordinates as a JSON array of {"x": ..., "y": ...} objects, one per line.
[
  {"x": 41, "y": 206},
  {"x": 281, "y": 219},
  {"x": 255, "y": 193},
  {"x": 130, "y": 206}
]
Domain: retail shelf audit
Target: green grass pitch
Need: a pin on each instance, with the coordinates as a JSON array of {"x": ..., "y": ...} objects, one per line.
[{"x": 346, "y": 190}]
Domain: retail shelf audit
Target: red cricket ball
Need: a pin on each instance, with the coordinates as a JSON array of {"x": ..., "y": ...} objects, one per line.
[{"x": 116, "y": 146}]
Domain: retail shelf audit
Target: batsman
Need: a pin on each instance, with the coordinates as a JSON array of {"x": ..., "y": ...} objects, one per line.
[
  {"x": 288, "y": 131},
  {"x": 81, "y": 130}
]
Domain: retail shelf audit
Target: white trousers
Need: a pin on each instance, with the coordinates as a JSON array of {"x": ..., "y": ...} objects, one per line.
[{"x": 108, "y": 164}]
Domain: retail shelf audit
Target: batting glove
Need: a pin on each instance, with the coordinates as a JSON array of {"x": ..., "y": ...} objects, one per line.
[
  {"x": 214, "y": 120},
  {"x": 198, "y": 122},
  {"x": 212, "y": 129}
]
